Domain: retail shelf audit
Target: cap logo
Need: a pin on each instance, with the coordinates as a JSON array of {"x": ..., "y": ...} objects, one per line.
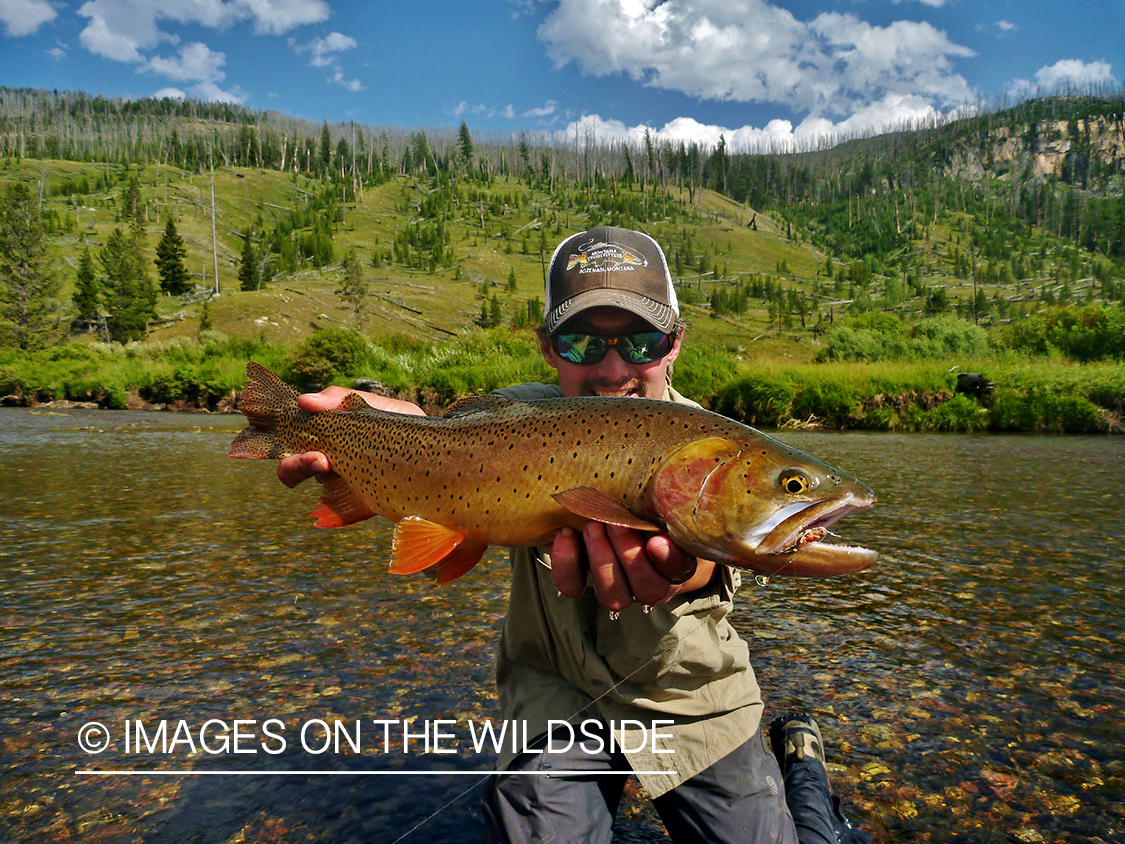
[{"x": 604, "y": 256}]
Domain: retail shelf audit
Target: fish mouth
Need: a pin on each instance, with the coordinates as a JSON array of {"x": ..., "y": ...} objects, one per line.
[{"x": 790, "y": 541}]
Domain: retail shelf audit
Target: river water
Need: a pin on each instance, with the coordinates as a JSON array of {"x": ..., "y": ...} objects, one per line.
[{"x": 969, "y": 686}]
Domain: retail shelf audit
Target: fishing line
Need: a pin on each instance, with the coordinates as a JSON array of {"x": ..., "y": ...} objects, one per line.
[{"x": 575, "y": 714}]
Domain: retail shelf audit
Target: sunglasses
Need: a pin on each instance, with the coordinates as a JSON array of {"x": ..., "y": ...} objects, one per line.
[{"x": 639, "y": 348}]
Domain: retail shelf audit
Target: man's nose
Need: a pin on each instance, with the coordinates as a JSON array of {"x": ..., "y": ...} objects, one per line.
[{"x": 613, "y": 364}]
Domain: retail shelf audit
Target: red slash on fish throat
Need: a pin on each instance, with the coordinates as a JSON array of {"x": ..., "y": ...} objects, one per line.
[{"x": 496, "y": 471}]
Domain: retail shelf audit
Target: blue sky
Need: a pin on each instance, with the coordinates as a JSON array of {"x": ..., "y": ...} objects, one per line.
[{"x": 752, "y": 70}]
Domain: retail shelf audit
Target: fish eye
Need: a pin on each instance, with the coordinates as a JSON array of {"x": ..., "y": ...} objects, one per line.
[{"x": 795, "y": 483}]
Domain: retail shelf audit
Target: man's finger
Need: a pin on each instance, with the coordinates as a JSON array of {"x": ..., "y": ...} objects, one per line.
[
  {"x": 647, "y": 584},
  {"x": 568, "y": 563},
  {"x": 610, "y": 582},
  {"x": 669, "y": 560},
  {"x": 298, "y": 468}
]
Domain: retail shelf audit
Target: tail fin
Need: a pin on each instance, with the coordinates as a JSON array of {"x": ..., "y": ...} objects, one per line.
[{"x": 265, "y": 401}]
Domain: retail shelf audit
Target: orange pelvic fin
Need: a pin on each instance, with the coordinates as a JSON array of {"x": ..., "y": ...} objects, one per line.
[
  {"x": 419, "y": 544},
  {"x": 597, "y": 506},
  {"x": 339, "y": 506}
]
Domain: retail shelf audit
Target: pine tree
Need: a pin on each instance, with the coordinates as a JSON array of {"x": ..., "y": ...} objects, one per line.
[
  {"x": 205, "y": 321},
  {"x": 129, "y": 298},
  {"x": 170, "y": 255},
  {"x": 87, "y": 290},
  {"x": 30, "y": 305},
  {"x": 248, "y": 276},
  {"x": 465, "y": 144},
  {"x": 131, "y": 294},
  {"x": 512, "y": 279},
  {"x": 353, "y": 288},
  {"x": 325, "y": 148}
]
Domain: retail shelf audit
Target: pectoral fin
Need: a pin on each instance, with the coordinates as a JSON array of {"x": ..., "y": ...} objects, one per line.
[
  {"x": 598, "y": 507},
  {"x": 339, "y": 506}
]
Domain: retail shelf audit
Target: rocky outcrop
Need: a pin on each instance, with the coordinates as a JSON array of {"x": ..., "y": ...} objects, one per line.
[{"x": 1091, "y": 149}]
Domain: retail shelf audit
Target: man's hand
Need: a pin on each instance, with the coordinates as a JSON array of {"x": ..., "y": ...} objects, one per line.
[
  {"x": 297, "y": 468},
  {"x": 626, "y": 566}
]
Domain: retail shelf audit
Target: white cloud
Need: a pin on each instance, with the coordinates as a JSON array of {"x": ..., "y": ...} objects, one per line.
[
  {"x": 210, "y": 92},
  {"x": 195, "y": 63},
  {"x": 120, "y": 29},
  {"x": 99, "y": 38},
  {"x": 893, "y": 111},
  {"x": 324, "y": 50},
  {"x": 57, "y": 53},
  {"x": 276, "y": 17},
  {"x": 546, "y": 110},
  {"x": 350, "y": 84},
  {"x": 1068, "y": 73},
  {"x": 753, "y": 51},
  {"x": 199, "y": 64},
  {"x": 24, "y": 17},
  {"x": 462, "y": 108},
  {"x": 169, "y": 94},
  {"x": 1001, "y": 28},
  {"x": 1074, "y": 72}
]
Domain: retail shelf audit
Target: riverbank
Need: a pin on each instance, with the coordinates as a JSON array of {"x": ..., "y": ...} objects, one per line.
[{"x": 1016, "y": 393}]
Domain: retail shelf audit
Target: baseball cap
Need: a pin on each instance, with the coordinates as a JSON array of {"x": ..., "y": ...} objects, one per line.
[{"x": 615, "y": 267}]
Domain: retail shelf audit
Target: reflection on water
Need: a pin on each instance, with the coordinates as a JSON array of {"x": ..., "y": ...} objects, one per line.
[{"x": 968, "y": 686}]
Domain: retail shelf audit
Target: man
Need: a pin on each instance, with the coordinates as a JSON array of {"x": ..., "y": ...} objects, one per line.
[{"x": 611, "y": 625}]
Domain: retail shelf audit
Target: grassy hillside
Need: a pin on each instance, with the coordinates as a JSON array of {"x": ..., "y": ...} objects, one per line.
[{"x": 849, "y": 256}]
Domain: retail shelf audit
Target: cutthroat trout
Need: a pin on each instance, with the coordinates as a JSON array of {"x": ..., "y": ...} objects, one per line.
[{"x": 496, "y": 471}]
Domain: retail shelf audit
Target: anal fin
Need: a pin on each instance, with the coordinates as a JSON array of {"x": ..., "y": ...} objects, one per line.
[
  {"x": 339, "y": 505},
  {"x": 460, "y": 560},
  {"x": 598, "y": 507}
]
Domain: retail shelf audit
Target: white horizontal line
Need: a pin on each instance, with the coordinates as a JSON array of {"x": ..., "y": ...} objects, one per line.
[{"x": 125, "y": 773}]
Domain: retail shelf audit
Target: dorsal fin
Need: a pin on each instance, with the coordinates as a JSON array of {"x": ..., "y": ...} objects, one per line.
[
  {"x": 596, "y": 506},
  {"x": 353, "y": 401},
  {"x": 477, "y": 404}
]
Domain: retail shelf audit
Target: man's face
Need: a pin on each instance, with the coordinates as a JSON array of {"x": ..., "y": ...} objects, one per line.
[{"x": 611, "y": 376}]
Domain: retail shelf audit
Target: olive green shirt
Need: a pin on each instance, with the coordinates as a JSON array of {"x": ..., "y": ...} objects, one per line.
[{"x": 565, "y": 659}]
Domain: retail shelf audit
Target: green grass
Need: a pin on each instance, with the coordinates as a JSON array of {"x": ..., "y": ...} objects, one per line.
[
  {"x": 421, "y": 341},
  {"x": 1040, "y": 395}
]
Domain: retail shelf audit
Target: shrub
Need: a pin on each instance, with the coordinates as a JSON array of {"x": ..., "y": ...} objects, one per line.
[
  {"x": 833, "y": 401},
  {"x": 759, "y": 399},
  {"x": 702, "y": 371},
  {"x": 959, "y": 414},
  {"x": 947, "y": 336},
  {"x": 327, "y": 355},
  {"x": 875, "y": 337},
  {"x": 1086, "y": 333},
  {"x": 1041, "y": 410}
]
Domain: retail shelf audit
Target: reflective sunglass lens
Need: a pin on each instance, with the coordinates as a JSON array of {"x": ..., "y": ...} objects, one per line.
[{"x": 588, "y": 349}]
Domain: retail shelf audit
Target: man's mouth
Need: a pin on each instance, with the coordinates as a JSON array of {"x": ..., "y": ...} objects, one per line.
[
  {"x": 626, "y": 391},
  {"x": 630, "y": 389}
]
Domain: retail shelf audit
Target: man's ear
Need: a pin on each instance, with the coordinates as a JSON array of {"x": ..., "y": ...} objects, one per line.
[
  {"x": 675, "y": 353},
  {"x": 548, "y": 352}
]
